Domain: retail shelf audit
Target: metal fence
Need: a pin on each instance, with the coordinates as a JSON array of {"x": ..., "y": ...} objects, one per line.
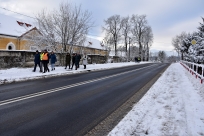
[{"x": 194, "y": 69}]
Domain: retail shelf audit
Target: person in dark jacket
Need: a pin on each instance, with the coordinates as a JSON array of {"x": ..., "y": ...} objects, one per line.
[
  {"x": 37, "y": 61},
  {"x": 136, "y": 60},
  {"x": 73, "y": 60},
  {"x": 53, "y": 59},
  {"x": 77, "y": 60},
  {"x": 67, "y": 60}
]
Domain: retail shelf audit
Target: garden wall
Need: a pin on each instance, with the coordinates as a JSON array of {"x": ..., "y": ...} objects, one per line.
[{"x": 10, "y": 59}]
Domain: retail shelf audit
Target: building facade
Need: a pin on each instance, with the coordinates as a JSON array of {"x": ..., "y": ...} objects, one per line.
[
  {"x": 12, "y": 42},
  {"x": 17, "y": 34}
]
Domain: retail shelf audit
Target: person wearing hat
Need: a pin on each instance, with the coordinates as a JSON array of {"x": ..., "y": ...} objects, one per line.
[{"x": 37, "y": 61}]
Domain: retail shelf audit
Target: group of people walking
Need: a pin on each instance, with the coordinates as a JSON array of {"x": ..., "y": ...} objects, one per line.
[
  {"x": 42, "y": 60},
  {"x": 75, "y": 59}
]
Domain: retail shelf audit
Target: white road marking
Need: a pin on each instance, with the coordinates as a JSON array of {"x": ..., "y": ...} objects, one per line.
[{"x": 5, "y": 102}]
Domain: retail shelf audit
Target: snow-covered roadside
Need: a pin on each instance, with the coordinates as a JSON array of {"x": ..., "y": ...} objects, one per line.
[
  {"x": 173, "y": 106},
  {"x": 21, "y": 74}
]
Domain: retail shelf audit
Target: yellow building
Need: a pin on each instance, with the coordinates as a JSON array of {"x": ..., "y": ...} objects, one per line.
[
  {"x": 13, "y": 32},
  {"x": 11, "y": 42}
]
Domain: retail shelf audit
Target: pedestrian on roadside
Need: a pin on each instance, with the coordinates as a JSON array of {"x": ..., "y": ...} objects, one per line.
[
  {"x": 37, "y": 60},
  {"x": 41, "y": 64},
  {"x": 136, "y": 60},
  {"x": 77, "y": 60},
  {"x": 67, "y": 60},
  {"x": 84, "y": 60},
  {"x": 45, "y": 61},
  {"x": 73, "y": 60},
  {"x": 53, "y": 59}
]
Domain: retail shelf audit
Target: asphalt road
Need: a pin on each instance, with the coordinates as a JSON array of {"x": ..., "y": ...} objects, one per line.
[{"x": 72, "y": 104}]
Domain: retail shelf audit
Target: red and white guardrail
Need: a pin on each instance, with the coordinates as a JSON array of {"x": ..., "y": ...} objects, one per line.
[{"x": 194, "y": 69}]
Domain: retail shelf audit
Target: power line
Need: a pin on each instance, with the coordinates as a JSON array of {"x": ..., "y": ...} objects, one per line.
[{"x": 17, "y": 12}]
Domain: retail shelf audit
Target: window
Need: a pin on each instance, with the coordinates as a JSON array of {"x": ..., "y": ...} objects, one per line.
[{"x": 10, "y": 46}]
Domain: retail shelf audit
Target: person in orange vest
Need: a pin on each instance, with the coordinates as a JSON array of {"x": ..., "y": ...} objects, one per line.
[{"x": 45, "y": 61}]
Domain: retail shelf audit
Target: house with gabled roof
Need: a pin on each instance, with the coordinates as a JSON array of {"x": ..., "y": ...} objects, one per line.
[{"x": 13, "y": 33}]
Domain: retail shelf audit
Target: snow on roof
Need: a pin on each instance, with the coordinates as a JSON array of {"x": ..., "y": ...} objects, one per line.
[
  {"x": 93, "y": 43},
  {"x": 14, "y": 26}
]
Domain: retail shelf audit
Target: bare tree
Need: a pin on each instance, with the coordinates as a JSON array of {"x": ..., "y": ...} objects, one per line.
[
  {"x": 162, "y": 56},
  {"x": 121, "y": 50},
  {"x": 35, "y": 40},
  {"x": 126, "y": 29},
  {"x": 134, "y": 52},
  {"x": 147, "y": 41},
  {"x": 112, "y": 29},
  {"x": 106, "y": 43},
  {"x": 177, "y": 41},
  {"x": 68, "y": 26},
  {"x": 139, "y": 24}
]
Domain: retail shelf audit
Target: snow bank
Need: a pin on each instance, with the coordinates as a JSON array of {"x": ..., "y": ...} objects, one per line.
[{"x": 172, "y": 106}]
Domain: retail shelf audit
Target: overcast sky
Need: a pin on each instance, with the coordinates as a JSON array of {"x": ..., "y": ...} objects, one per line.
[{"x": 167, "y": 18}]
